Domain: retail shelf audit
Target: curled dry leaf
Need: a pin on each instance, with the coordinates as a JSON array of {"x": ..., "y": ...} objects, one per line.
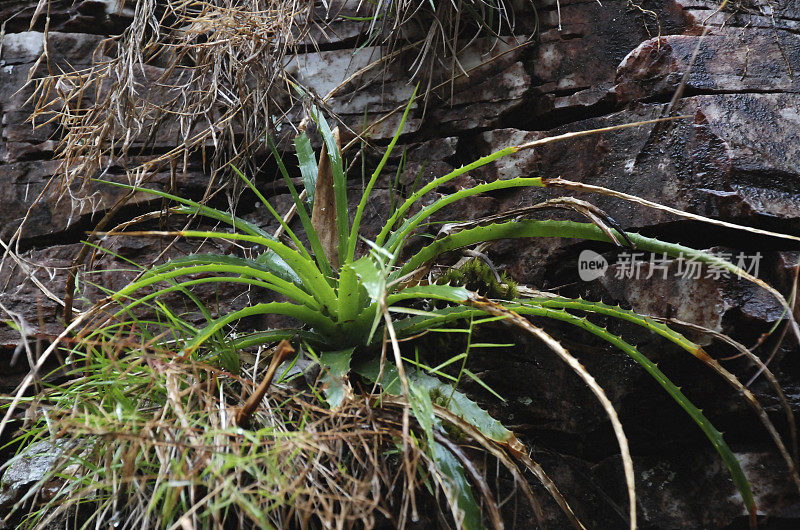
[{"x": 323, "y": 215}]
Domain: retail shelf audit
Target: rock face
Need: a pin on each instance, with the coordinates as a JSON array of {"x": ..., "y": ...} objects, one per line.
[
  {"x": 26, "y": 470},
  {"x": 733, "y": 155}
]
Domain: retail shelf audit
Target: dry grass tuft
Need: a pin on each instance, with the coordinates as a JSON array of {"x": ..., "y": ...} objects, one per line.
[
  {"x": 441, "y": 30},
  {"x": 185, "y": 76},
  {"x": 148, "y": 442}
]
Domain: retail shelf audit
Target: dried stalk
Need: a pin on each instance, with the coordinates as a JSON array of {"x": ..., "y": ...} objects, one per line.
[{"x": 282, "y": 351}]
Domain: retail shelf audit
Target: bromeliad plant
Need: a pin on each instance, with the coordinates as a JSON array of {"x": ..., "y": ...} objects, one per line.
[{"x": 350, "y": 306}]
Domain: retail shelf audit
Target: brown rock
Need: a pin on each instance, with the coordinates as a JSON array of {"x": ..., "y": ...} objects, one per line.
[{"x": 722, "y": 64}]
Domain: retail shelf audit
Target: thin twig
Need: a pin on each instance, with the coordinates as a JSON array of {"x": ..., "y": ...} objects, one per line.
[{"x": 283, "y": 350}]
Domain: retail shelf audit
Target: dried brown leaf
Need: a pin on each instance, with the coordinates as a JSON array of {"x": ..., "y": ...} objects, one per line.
[{"x": 323, "y": 215}]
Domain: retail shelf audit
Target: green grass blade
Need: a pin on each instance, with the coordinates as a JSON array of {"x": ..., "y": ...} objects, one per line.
[
  {"x": 316, "y": 320},
  {"x": 601, "y": 308},
  {"x": 483, "y": 384},
  {"x": 562, "y": 229},
  {"x": 271, "y": 336},
  {"x": 312, "y": 279},
  {"x": 398, "y": 214},
  {"x": 415, "y": 324},
  {"x": 274, "y": 213},
  {"x": 305, "y": 300},
  {"x": 680, "y": 340},
  {"x": 714, "y": 436},
  {"x": 273, "y": 262},
  {"x": 313, "y": 238},
  {"x": 412, "y": 222},
  {"x": 436, "y": 319},
  {"x": 191, "y": 207},
  {"x": 447, "y": 293},
  {"x": 351, "y": 244},
  {"x": 215, "y": 264}
]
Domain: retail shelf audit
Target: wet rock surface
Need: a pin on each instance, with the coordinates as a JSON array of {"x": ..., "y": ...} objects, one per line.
[
  {"x": 734, "y": 156},
  {"x": 28, "y": 468}
]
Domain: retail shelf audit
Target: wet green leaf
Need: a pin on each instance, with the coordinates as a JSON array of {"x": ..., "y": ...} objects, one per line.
[
  {"x": 422, "y": 408},
  {"x": 442, "y": 394},
  {"x": 335, "y": 366},
  {"x": 372, "y": 277},
  {"x": 458, "y": 491},
  {"x": 308, "y": 165}
]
